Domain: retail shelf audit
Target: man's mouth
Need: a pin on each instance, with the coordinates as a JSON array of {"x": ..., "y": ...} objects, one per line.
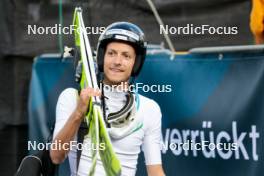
[{"x": 116, "y": 70}]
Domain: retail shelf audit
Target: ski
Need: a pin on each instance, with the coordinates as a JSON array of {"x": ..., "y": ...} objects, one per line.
[{"x": 94, "y": 118}]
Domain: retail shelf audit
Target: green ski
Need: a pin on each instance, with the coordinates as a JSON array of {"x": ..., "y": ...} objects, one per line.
[{"x": 94, "y": 118}]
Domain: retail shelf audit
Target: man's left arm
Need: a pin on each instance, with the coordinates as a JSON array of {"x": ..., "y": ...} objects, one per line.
[
  {"x": 155, "y": 170},
  {"x": 152, "y": 142}
]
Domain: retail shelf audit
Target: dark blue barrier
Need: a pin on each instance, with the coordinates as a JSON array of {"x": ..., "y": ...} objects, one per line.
[{"x": 217, "y": 98}]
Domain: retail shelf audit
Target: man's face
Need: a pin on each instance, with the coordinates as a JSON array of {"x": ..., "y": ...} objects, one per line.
[{"x": 119, "y": 60}]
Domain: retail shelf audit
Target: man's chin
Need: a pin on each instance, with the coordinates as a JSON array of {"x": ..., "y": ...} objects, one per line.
[
  {"x": 114, "y": 79},
  {"x": 116, "y": 82}
]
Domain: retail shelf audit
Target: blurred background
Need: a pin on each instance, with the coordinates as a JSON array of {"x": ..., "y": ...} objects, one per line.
[{"x": 18, "y": 48}]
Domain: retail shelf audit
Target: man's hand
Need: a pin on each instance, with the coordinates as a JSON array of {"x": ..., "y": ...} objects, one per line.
[{"x": 84, "y": 100}]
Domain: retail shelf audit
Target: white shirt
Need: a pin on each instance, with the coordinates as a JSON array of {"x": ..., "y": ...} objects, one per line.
[{"x": 127, "y": 148}]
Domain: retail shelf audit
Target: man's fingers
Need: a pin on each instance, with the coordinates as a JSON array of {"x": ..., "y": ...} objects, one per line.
[
  {"x": 91, "y": 92},
  {"x": 97, "y": 92}
]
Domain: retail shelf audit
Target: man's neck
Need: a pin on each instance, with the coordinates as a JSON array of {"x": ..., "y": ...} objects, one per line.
[{"x": 124, "y": 85}]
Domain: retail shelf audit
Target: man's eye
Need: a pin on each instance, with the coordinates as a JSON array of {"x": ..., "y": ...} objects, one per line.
[
  {"x": 127, "y": 56},
  {"x": 110, "y": 53}
]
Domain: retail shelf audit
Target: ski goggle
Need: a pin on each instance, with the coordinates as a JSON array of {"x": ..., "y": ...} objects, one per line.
[{"x": 124, "y": 116}]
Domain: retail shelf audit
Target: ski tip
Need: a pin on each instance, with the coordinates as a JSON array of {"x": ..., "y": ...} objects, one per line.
[{"x": 78, "y": 9}]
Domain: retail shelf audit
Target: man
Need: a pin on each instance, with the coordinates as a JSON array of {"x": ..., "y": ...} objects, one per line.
[{"x": 133, "y": 121}]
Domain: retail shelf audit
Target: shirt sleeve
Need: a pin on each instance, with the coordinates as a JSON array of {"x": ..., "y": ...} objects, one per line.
[
  {"x": 66, "y": 104},
  {"x": 152, "y": 138}
]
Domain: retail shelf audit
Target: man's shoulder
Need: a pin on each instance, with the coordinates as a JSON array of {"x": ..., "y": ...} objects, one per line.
[
  {"x": 150, "y": 111},
  {"x": 148, "y": 102},
  {"x": 69, "y": 92},
  {"x": 68, "y": 95}
]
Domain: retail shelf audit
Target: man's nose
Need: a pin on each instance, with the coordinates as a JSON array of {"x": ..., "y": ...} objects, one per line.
[{"x": 118, "y": 59}]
